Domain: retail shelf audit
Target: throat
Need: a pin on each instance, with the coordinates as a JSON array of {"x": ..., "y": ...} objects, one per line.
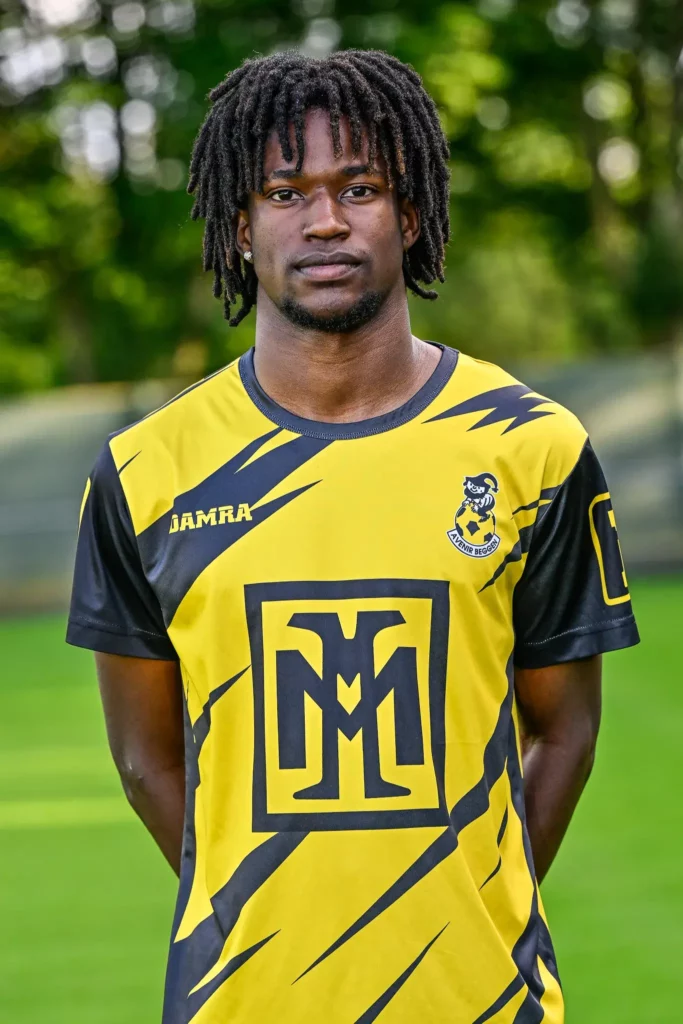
[{"x": 347, "y": 383}]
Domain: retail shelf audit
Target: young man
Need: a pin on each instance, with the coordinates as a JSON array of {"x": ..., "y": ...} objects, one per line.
[{"x": 354, "y": 562}]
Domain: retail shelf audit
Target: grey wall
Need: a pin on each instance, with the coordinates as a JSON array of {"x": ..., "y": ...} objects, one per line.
[
  {"x": 633, "y": 411},
  {"x": 48, "y": 444}
]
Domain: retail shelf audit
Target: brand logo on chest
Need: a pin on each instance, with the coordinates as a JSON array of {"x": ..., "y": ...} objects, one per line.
[{"x": 219, "y": 516}]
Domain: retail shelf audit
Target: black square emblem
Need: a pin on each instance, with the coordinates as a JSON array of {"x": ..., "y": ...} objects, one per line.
[{"x": 349, "y": 688}]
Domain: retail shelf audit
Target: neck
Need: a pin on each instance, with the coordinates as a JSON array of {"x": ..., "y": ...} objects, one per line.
[{"x": 341, "y": 378}]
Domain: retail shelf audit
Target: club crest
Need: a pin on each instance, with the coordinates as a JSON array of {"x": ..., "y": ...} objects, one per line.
[{"x": 474, "y": 530}]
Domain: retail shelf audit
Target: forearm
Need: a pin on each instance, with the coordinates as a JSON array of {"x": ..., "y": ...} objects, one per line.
[
  {"x": 559, "y": 713},
  {"x": 158, "y": 798},
  {"x": 555, "y": 773},
  {"x": 142, "y": 700}
]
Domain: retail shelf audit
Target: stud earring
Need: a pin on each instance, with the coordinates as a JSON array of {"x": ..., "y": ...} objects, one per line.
[{"x": 248, "y": 255}]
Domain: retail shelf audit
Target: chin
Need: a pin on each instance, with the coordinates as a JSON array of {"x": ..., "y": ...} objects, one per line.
[{"x": 341, "y": 320}]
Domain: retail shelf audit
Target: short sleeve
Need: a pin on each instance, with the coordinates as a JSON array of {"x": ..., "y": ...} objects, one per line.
[
  {"x": 113, "y": 607},
  {"x": 572, "y": 600}
]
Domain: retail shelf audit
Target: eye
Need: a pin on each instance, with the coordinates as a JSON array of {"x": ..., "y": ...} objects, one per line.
[
  {"x": 283, "y": 195},
  {"x": 360, "y": 191}
]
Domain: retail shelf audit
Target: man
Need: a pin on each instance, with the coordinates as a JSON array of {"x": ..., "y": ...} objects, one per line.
[{"x": 355, "y": 562}]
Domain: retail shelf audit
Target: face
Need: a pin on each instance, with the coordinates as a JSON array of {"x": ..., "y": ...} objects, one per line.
[{"x": 328, "y": 241}]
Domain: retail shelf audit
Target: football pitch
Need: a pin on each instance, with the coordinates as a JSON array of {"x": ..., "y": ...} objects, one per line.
[{"x": 86, "y": 901}]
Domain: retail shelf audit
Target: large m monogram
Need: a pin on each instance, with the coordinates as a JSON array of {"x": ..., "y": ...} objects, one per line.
[
  {"x": 349, "y": 681},
  {"x": 345, "y": 662}
]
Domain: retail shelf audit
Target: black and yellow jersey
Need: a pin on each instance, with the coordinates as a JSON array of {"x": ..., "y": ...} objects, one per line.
[{"x": 348, "y": 602}]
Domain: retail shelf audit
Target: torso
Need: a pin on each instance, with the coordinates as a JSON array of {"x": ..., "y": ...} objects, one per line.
[{"x": 355, "y": 838}]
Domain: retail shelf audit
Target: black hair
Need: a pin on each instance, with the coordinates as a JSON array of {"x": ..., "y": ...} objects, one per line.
[{"x": 377, "y": 92}]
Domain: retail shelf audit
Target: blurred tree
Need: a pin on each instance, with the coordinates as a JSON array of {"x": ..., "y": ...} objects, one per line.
[{"x": 566, "y": 124}]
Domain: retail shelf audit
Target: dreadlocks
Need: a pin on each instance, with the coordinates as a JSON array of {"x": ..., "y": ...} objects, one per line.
[{"x": 376, "y": 92}]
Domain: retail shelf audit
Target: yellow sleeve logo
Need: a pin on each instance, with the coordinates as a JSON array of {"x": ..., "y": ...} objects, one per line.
[{"x": 603, "y": 528}]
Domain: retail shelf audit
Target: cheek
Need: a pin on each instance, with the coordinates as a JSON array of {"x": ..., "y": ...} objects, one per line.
[
  {"x": 386, "y": 241},
  {"x": 264, "y": 240},
  {"x": 270, "y": 238},
  {"x": 385, "y": 223}
]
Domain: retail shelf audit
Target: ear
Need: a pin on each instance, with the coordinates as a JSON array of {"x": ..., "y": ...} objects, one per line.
[
  {"x": 243, "y": 232},
  {"x": 410, "y": 222}
]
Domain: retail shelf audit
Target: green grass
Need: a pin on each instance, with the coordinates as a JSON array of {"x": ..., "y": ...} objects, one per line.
[
  {"x": 615, "y": 895},
  {"x": 86, "y": 901}
]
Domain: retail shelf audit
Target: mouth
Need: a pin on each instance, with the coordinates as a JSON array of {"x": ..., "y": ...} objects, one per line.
[{"x": 332, "y": 266}]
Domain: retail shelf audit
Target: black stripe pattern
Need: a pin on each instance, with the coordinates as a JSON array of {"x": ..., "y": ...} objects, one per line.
[
  {"x": 373, "y": 1012},
  {"x": 202, "y": 724},
  {"x": 192, "y": 958},
  {"x": 238, "y": 482},
  {"x": 203, "y": 994},
  {"x": 499, "y": 864},
  {"x": 535, "y": 939},
  {"x": 514, "y": 402},
  {"x": 547, "y": 494},
  {"x": 470, "y": 807},
  {"x": 525, "y": 536}
]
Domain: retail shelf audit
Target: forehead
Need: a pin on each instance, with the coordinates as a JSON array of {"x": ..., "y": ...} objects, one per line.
[{"x": 319, "y": 157}]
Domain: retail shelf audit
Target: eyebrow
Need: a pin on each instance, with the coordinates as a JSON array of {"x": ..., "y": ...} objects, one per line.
[
  {"x": 284, "y": 172},
  {"x": 349, "y": 172},
  {"x": 354, "y": 169}
]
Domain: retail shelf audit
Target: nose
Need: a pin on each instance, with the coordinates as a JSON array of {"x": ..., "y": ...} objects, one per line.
[{"x": 325, "y": 217}]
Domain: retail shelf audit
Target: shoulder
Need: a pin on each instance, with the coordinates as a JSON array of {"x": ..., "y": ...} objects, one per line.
[
  {"x": 192, "y": 410},
  {"x": 172, "y": 448},
  {"x": 504, "y": 414}
]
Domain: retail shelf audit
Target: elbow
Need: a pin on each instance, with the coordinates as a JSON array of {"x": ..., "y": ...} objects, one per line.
[
  {"x": 589, "y": 759},
  {"x": 585, "y": 745},
  {"x": 136, "y": 783},
  {"x": 575, "y": 746}
]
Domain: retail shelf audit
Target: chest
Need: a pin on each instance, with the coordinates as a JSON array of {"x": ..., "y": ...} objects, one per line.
[{"x": 308, "y": 510}]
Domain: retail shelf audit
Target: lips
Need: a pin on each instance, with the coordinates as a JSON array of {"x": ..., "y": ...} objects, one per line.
[{"x": 327, "y": 266}]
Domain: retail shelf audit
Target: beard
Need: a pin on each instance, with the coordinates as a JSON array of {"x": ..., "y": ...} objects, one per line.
[{"x": 360, "y": 313}]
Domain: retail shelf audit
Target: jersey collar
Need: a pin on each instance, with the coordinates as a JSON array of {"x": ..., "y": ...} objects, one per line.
[{"x": 361, "y": 428}]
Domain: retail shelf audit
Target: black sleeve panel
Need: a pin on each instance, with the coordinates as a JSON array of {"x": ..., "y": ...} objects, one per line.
[
  {"x": 572, "y": 600},
  {"x": 113, "y": 607}
]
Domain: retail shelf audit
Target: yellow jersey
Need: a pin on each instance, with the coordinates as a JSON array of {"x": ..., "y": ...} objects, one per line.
[{"x": 347, "y": 603}]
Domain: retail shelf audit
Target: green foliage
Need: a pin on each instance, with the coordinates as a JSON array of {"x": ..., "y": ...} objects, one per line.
[{"x": 566, "y": 133}]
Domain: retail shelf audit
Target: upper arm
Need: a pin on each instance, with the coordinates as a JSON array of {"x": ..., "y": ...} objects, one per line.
[
  {"x": 561, "y": 702},
  {"x": 570, "y": 606},
  {"x": 572, "y": 601},
  {"x": 113, "y": 606},
  {"x": 115, "y": 612},
  {"x": 143, "y": 708}
]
